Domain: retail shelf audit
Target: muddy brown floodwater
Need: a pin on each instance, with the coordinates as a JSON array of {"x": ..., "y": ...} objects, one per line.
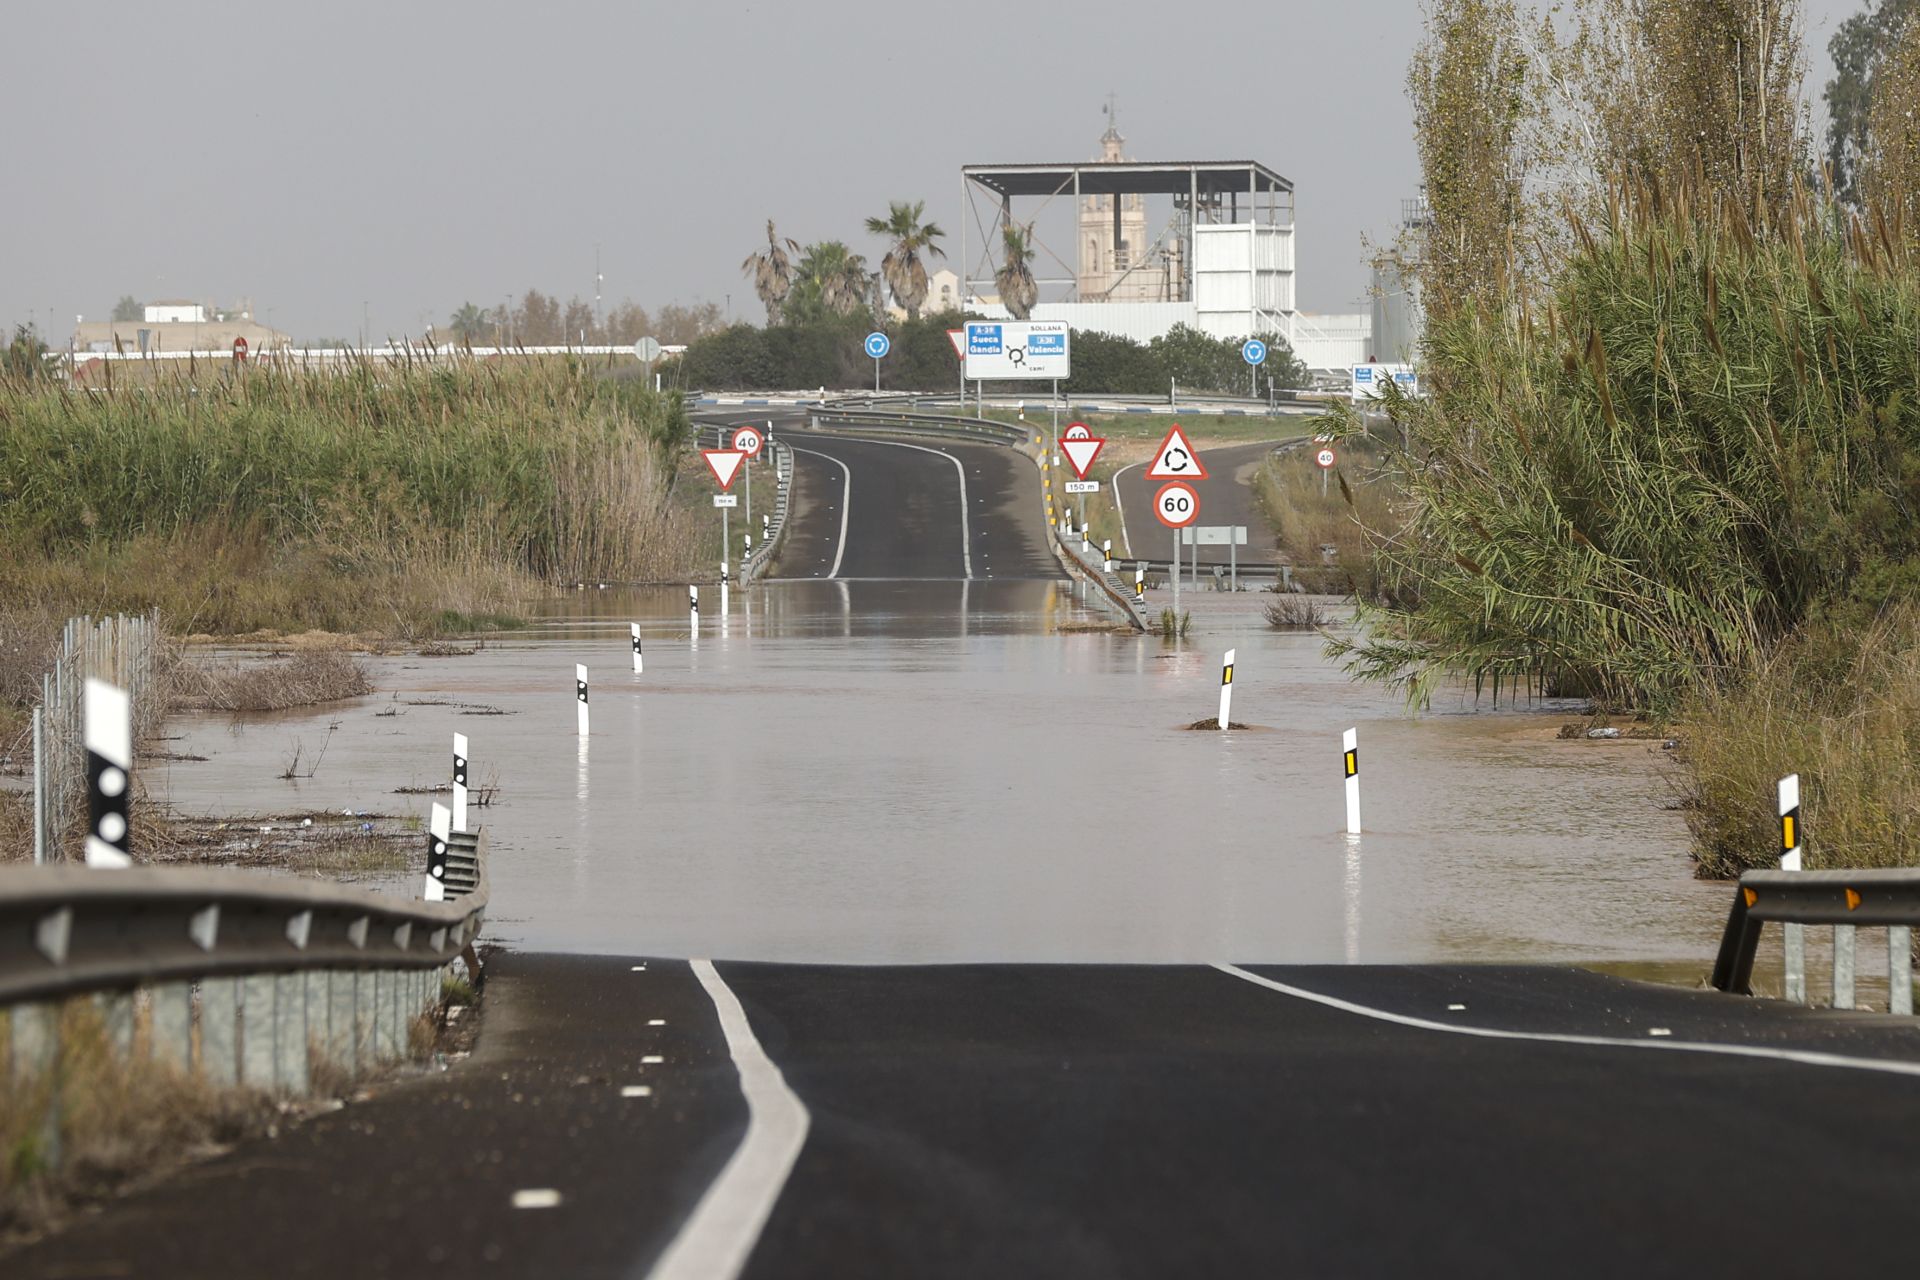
[{"x": 934, "y": 771}]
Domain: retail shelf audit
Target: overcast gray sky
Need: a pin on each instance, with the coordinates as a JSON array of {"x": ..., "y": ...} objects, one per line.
[{"x": 408, "y": 156}]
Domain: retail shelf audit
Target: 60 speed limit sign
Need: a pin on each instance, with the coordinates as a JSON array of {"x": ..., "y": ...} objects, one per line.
[{"x": 1176, "y": 505}]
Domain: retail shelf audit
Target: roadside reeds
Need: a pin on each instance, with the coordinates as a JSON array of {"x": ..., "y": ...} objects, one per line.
[{"x": 374, "y": 496}]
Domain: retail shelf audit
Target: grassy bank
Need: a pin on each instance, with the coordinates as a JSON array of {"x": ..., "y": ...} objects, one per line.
[
  {"x": 395, "y": 498},
  {"x": 1310, "y": 508}
]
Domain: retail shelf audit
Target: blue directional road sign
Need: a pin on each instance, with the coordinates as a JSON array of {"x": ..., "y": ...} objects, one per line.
[
  {"x": 877, "y": 344},
  {"x": 1254, "y": 351}
]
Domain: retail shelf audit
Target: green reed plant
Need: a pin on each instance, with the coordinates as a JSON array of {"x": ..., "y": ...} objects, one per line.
[
  {"x": 1694, "y": 440},
  {"x": 376, "y": 474}
]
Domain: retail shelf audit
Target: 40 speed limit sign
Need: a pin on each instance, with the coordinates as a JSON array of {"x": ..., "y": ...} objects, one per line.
[{"x": 1176, "y": 505}]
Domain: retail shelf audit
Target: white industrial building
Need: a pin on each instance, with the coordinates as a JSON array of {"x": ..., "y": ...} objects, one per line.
[{"x": 1208, "y": 244}]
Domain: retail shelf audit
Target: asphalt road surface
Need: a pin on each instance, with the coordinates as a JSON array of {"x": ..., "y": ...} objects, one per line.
[
  {"x": 1226, "y": 498},
  {"x": 1075, "y": 1121},
  {"x": 873, "y": 508}
]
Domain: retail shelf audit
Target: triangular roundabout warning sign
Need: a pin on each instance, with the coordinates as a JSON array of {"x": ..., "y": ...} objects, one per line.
[
  {"x": 1175, "y": 459},
  {"x": 1081, "y": 452},
  {"x": 725, "y": 464}
]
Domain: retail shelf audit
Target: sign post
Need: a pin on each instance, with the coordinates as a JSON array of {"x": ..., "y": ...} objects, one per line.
[
  {"x": 1176, "y": 506},
  {"x": 725, "y": 465},
  {"x": 1254, "y": 352},
  {"x": 877, "y": 346},
  {"x": 1080, "y": 447},
  {"x": 749, "y": 440},
  {"x": 1324, "y": 459}
]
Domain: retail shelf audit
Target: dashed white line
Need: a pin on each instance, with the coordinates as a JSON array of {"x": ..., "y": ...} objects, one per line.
[{"x": 719, "y": 1236}]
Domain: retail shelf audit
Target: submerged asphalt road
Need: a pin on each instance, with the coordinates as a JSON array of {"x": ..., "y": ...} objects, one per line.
[
  {"x": 872, "y": 508},
  {"x": 1226, "y": 498},
  {"x": 1076, "y": 1121}
]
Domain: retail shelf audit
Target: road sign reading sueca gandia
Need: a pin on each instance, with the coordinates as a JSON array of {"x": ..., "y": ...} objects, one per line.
[{"x": 1018, "y": 349}]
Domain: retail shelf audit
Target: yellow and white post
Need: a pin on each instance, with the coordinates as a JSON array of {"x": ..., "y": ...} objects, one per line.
[
  {"x": 1106, "y": 555},
  {"x": 1139, "y": 584},
  {"x": 580, "y": 695},
  {"x": 1793, "y": 937},
  {"x": 1350, "y": 763},
  {"x": 1226, "y": 691}
]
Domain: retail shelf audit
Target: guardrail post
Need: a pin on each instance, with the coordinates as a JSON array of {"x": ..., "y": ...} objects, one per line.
[
  {"x": 256, "y": 1030},
  {"x": 290, "y": 1032},
  {"x": 1843, "y": 966},
  {"x": 171, "y": 1037},
  {"x": 339, "y": 1041},
  {"x": 384, "y": 1000},
  {"x": 116, "y": 1021},
  {"x": 33, "y": 1039},
  {"x": 365, "y": 991},
  {"x": 220, "y": 1030},
  {"x": 1900, "y": 969}
]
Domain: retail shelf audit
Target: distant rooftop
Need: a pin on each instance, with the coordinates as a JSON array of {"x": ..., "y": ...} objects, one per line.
[{"x": 1105, "y": 178}]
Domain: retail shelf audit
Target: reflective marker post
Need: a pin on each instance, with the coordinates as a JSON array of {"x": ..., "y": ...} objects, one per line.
[
  {"x": 1793, "y": 937},
  {"x": 109, "y": 741},
  {"x": 437, "y": 832},
  {"x": 639, "y": 660},
  {"x": 459, "y": 783},
  {"x": 1350, "y": 764},
  {"x": 580, "y": 695},
  {"x": 1226, "y": 691}
]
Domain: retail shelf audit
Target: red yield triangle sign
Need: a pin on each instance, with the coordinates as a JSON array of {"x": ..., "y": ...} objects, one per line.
[
  {"x": 958, "y": 337},
  {"x": 1175, "y": 459},
  {"x": 1081, "y": 452},
  {"x": 725, "y": 464}
]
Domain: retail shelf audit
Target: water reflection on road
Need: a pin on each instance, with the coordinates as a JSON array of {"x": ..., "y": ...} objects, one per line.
[{"x": 935, "y": 771}]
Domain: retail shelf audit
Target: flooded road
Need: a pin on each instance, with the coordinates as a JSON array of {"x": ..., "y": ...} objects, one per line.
[{"x": 944, "y": 771}]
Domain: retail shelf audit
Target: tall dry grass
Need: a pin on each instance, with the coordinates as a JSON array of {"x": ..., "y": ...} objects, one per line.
[
  {"x": 1840, "y": 709},
  {"x": 380, "y": 496},
  {"x": 1360, "y": 495}
]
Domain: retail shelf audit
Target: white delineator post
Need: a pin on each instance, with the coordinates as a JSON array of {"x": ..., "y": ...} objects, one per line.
[
  {"x": 693, "y": 608},
  {"x": 438, "y": 829},
  {"x": 459, "y": 782},
  {"x": 580, "y": 695},
  {"x": 1350, "y": 764},
  {"x": 1226, "y": 691},
  {"x": 1106, "y": 555},
  {"x": 1139, "y": 583},
  {"x": 1793, "y": 937},
  {"x": 639, "y": 660},
  {"x": 109, "y": 740}
]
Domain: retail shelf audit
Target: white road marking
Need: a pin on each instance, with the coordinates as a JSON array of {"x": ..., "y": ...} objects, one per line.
[
  {"x": 636, "y": 1091},
  {"x": 966, "y": 536},
  {"x": 716, "y": 1240},
  {"x": 651, "y": 1060},
  {"x": 846, "y": 503},
  {"x": 656, "y": 1022},
  {"x": 1802, "y": 1057},
  {"x": 639, "y": 968},
  {"x": 536, "y": 1198}
]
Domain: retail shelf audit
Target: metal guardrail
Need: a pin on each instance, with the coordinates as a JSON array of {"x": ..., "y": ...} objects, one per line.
[
  {"x": 954, "y": 426},
  {"x": 242, "y": 976},
  {"x": 1844, "y": 899}
]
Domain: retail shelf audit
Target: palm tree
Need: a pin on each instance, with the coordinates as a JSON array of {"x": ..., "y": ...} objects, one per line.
[
  {"x": 772, "y": 272},
  {"x": 469, "y": 322},
  {"x": 906, "y": 275},
  {"x": 1015, "y": 276},
  {"x": 833, "y": 276}
]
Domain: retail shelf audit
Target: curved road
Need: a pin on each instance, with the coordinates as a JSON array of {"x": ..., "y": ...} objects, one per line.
[{"x": 873, "y": 508}]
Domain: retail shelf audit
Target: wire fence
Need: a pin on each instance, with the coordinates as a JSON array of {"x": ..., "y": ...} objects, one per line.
[{"x": 123, "y": 650}]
